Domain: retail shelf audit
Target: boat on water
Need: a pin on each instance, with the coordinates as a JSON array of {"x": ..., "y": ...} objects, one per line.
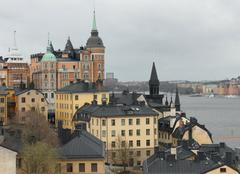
[
  {"x": 231, "y": 96},
  {"x": 211, "y": 96},
  {"x": 196, "y": 95}
]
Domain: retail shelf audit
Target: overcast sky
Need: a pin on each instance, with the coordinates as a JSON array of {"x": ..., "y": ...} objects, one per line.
[{"x": 188, "y": 39}]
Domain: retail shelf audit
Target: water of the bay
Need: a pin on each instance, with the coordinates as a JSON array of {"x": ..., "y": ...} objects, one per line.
[{"x": 220, "y": 115}]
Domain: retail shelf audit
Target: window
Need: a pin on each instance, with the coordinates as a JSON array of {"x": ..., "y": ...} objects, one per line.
[
  {"x": 223, "y": 170},
  {"x": 52, "y": 95},
  {"x": 94, "y": 167},
  {"x": 113, "y": 133},
  {"x": 113, "y": 154},
  {"x": 76, "y": 107},
  {"x": 155, "y": 120},
  {"x": 23, "y": 109},
  {"x": 42, "y": 109},
  {"x": 138, "y": 143},
  {"x": 148, "y": 152},
  {"x": 74, "y": 66},
  {"x": 137, "y": 121},
  {"x": 42, "y": 99},
  {"x": 130, "y": 143},
  {"x": 147, "y": 131},
  {"x": 76, "y": 97},
  {"x": 122, "y": 122},
  {"x": 103, "y": 133},
  {"x": 33, "y": 100},
  {"x": 95, "y": 97},
  {"x": 138, "y": 132},
  {"x": 2, "y": 100},
  {"x": 130, "y": 121},
  {"x": 130, "y": 132},
  {"x": 32, "y": 108},
  {"x": 69, "y": 167},
  {"x": 81, "y": 167},
  {"x": 123, "y": 143},
  {"x": 103, "y": 122},
  {"x": 147, "y": 142},
  {"x": 123, "y": 132},
  {"x": 113, "y": 122},
  {"x": 147, "y": 121},
  {"x": 113, "y": 144},
  {"x": 139, "y": 163},
  {"x": 46, "y": 95},
  {"x": 138, "y": 153},
  {"x": 23, "y": 100}
]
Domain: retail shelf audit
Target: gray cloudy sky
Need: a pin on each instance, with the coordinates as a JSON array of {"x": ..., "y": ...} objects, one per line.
[{"x": 188, "y": 39}]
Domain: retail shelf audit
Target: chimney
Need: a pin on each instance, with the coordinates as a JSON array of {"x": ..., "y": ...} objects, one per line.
[
  {"x": 190, "y": 133},
  {"x": 228, "y": 158},
  {"x": 200, "y": 155},
  {"x": 174, "y": 152},
  {"x": 222, "y": 145}
]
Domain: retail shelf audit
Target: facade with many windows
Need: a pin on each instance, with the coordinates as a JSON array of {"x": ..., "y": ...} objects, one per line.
[
  {"x": 70, "y": 98},
  {"x": 132, "y": 129}
]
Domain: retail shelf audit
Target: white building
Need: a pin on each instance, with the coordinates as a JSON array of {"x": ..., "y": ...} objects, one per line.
[{"x": 7, "y": 161}]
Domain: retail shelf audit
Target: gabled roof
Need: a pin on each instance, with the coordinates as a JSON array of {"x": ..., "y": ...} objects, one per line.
[{"x": 83, "y": 145}]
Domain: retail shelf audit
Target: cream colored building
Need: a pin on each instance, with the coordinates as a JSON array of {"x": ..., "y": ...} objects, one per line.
[
  {"x": 131, "y": 127},
  {"x": 222, "y": 169},
  {"x": 70, "y": 98},
  {"x": 30, "y": 100},
  {"x": 83, "y": 153},
  {"x": 7, "y": 161}
]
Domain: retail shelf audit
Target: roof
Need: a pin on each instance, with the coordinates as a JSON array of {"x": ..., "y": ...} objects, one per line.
[
  {"x": 85, "y": 112},
  {"x": 154, "y": 76},
  {"x": 48, "y": 56},
  {"x": 124, "y": 98},
  {"x": 83, "y": 145},
  {"x": 81, "y": 87}
]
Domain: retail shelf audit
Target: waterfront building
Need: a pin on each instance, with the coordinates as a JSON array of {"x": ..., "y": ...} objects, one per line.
[
  {"x": 71, "y": 64},
  {"x": 176, "y": 128},
  {"x": 70, "y": 98},
  {"x": 132, "y": 127},
  {"x": 18, "y": 72},
  {"x": 82, "y": 153}
]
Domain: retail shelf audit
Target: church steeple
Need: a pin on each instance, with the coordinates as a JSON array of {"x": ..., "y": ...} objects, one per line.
[
  {"x": 154, "y": 82},
  {"x": 177, "y": 100}
]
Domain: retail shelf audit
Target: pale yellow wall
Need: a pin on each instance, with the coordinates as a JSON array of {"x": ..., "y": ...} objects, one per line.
[
  {"x": 96, "y": 128},
  {"x": 66, "y": 105},
  {"x": 38, "y": 104},
  {"x": 228, "y": 171},
  {"x": 100, "y": 166},
  {"x": 3, "y": 107},
  {"x": 199, "y": 135}
]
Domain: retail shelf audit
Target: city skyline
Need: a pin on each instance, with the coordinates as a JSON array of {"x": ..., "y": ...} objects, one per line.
[{"x": 191, "y": 40}]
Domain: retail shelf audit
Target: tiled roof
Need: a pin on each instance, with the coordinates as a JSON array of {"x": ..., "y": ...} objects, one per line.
[{"x": 83, "y": 145}]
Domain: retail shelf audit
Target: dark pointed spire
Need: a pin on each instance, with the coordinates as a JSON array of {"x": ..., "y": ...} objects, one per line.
[
  {"x": 166, "y": 102},
  {"x": 154, "y": 82},
  {"x": 154, "y": 76},
  {"x": 51, "y": 47},
  {"x": 177, "y": 100},
  {"x": 69, "y": 47},
  {"x": 171, "y": 101}
]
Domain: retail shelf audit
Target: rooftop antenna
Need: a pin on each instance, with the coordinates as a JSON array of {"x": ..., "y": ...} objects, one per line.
[{"x": 14, "y": 39}]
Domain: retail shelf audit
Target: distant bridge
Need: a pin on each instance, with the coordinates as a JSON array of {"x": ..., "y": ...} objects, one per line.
[{"x": 224, "y": 138}]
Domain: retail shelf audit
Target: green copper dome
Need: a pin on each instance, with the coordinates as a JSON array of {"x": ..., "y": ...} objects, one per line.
[{"x": 48, "y": 56}]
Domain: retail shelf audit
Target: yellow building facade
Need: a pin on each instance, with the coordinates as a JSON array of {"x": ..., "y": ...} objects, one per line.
[
  {"x": 133, "y": 128},
  {"x": 70, "y": 98},
  {"x": 30, "y": 100}
]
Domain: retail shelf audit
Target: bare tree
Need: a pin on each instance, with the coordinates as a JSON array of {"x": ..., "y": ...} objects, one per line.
[{"x": 123, "y": 152}]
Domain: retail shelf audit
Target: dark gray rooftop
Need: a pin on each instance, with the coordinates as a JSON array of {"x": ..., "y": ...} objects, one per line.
[
  {"x": 111, "y": 111},
  {"x": 83, "y": 145},
  {"x": 81, "y": 87}
]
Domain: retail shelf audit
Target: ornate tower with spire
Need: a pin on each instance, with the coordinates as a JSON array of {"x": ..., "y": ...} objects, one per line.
[
  {"x": 154, "y": 82},
  {"x": 177, "y": 100},
  {"x": 93, "y": 63}
]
